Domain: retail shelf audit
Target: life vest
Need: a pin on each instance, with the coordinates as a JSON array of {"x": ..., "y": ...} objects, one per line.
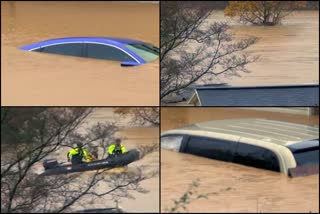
[
  {"x": 116, "y": 150},
  {"x": 76, "y": 153}
]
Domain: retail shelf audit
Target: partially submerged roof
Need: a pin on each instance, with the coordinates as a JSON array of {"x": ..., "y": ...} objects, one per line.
[
  {"x": 92, "y": 38},
  {"x": 101, "y": 210},
  {"x": 277, "y": 95},
  {"x": 278, "y": 132},
  {"x": 108, "y": 40}
]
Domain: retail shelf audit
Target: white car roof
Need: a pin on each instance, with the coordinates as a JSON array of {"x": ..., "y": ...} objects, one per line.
[{"x": 277, "y": 132}]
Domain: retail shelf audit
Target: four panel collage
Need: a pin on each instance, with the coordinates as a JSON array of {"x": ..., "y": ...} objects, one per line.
[{"x": 159, "y": 106}]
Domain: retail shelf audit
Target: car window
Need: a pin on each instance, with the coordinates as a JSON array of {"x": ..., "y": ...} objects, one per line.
[
  {"x": 38, "y": 50},
  {"x": 255, "y": 156},
  {"x": 212, "y": 148},
  {"x": 107, "y": 52},
  {"x": 146, "y": 52},
  {"x": 171, "y": 142},
  {"x": 71, "y": 49}
]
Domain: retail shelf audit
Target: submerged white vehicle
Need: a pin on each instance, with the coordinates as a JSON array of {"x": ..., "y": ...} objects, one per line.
[{"x": 290, "y": 148}]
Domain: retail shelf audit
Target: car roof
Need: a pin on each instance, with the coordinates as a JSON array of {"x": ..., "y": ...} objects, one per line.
[
  {"x": 272, "y": 131},
  {"x": 106, "y": 40}
]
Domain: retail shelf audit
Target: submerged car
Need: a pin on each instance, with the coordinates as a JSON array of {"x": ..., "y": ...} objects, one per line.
[
  {"x": 129, "y": 52},
  {"x": 289, "y": 148}
]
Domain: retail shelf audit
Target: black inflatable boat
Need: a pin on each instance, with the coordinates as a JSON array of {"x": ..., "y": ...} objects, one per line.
[{"x": 53, "y": 168}]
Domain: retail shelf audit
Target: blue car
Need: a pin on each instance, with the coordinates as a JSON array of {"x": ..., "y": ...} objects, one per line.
[{"x": 129, "y": 52}]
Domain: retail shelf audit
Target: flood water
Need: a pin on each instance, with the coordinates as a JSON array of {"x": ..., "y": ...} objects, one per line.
[
  {"x": 289, "y": 53},
  {"x": 31, "y": 78},
  {"x": 238, "y": 188}
]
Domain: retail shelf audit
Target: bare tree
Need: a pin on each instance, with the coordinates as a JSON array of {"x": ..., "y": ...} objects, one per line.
[
  {"x": 41, "y": 132},
  {"x": 262, "y": 12},
  {"x": 192, "y": 49},
  {"x": 140, "y": 116}
]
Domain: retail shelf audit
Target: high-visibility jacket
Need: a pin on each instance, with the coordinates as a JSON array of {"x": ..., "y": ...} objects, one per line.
[
  {"x": 114, "y": 149},
  {"x": 77, "y": 152}
]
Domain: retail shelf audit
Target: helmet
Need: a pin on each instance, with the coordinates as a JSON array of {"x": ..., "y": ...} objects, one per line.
[{"x": 79, "y": 144}]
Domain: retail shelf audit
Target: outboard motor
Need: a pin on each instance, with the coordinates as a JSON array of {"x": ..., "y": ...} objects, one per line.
[{"x": 50, "y": 163}]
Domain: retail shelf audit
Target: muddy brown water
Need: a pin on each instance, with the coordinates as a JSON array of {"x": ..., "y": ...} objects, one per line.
[
  {"x": 289, "y": 53},
  {"x": 30, "y": 78},
  {"x": 239, "y": 188}
]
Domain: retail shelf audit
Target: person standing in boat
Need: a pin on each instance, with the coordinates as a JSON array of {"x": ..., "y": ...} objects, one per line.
[
  {"x": 92, "y": 152},
  {"x": 77, "y": 154},
  {"x": 116, "y": 148}
]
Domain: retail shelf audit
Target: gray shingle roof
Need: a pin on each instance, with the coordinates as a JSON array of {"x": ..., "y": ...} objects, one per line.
[{"x": 283, "y": 95}]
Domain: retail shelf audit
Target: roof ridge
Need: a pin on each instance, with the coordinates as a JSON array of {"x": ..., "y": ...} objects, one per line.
[{"x": 255, "y": 86}]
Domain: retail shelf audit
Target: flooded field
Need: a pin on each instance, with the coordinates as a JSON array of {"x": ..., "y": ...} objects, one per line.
[
  {"x": 30, "y": 78},
  {"x": 289, "y": 53},
  {"x": 238, "y": 188}
]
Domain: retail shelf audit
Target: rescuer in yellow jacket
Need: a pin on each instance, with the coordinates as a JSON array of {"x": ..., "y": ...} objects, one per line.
[
  {"x": 77, "y": 154},
  {"x": 116, "y": 149}
]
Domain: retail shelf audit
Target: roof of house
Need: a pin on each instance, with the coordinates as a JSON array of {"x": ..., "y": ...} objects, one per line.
[
  {"x": 276, "y": 95},
  {"x": 272, "y": 131}
]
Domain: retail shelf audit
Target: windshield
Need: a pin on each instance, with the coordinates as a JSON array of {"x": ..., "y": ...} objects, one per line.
[
  {"x": 147, "y": 52},
  {"x": 307, "y": 157},
  {"x": 306, "y": 152},
  {"x": 172, "y": 143}
]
